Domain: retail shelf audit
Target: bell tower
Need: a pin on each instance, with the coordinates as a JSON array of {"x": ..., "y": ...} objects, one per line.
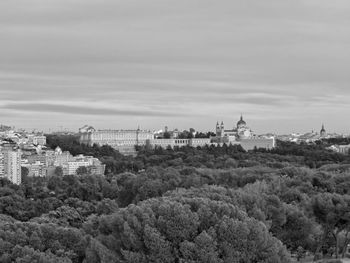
[
  {"x": 217, "y": 129},
  {"x": 323, "y": 132},
  {"x": 220, "y": 129}
]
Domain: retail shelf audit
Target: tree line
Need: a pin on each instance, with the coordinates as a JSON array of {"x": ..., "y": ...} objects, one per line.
[{"x": 210, "y": 204}]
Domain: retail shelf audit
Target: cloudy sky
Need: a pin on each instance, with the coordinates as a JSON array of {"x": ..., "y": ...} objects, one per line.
[{"x": 182, "y": 63}]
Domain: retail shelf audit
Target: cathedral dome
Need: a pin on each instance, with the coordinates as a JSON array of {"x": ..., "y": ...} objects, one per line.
[{"x": 241, "y": 122}]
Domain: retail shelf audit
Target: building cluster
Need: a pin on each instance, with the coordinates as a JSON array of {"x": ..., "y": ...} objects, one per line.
[
  {"x": 23, "y": 138},
  {"x": 49, "y": 162},
  {"x": 241, "y": 134},
  {"x": 125, "y": 140},
  {"x": 20, "y": 149},
  {"x": 241, "y": 131},
  {"x": 343, "y": 149},
  {"x": 309, "y": 137},
  {"x": 12, "y": 145}
]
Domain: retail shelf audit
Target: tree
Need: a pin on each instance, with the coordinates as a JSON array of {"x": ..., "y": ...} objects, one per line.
[
  {"x": 300, "y": 253},
  {"x": 177, "y": 228},
  {"x": 24, "y": 173},
  {"x": 159, "y": 248},
  {"x": 166, "y": 135},
  {"x": 35, "y": 241},
  {"x": 332, "y": 211},
  {"x": 58, "y": 171},
  {"x": 82, "y": 170},
  {"x": 106, "y": 206}
]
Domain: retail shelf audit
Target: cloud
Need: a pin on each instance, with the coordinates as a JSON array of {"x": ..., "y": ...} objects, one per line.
[
  {"x": 81, "y": 110},
  {"x": 183, "y": 59}
]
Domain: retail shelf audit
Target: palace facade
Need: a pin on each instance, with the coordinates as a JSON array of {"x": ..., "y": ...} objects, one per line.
[{"x": 122, "y": 140}]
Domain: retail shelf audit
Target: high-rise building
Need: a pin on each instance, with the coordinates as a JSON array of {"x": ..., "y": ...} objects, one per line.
[
  {"x": 10, "y": 160},
  {"x": 2, "y": 164}
]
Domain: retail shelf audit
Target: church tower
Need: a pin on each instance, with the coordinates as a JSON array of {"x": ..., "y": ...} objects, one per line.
[
  {"x": 220, "y": 129},
  {"x": 217, "y": 129},
  {"x": 323, "y": 132}
]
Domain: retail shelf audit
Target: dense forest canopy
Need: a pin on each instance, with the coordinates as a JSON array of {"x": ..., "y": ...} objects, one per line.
[{"x": 210, "y": 204}]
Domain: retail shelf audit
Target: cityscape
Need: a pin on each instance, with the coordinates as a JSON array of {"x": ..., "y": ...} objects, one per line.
[
  {"x": 174, "y": 131},
  {"x": 22, "y": 150}
]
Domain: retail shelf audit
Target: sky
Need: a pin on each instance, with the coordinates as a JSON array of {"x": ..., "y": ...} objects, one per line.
[{"x": 178, "y": 63}]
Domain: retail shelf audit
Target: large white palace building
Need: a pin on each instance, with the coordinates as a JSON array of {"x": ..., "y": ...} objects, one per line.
[{"x": 122, "y": 140}]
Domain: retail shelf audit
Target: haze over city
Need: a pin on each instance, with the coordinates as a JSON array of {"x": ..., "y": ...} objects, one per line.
[{"x": 184, "y": 63}]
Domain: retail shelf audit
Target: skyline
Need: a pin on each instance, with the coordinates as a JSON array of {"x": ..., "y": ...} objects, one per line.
[
  {"x": 160, "y": 129},
  {"x": 120, "y": 64}
]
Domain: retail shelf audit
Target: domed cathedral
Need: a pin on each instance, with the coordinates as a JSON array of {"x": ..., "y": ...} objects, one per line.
[
  {"x": 241, "y": 134},
  {"x": 241, "y": 123},
  {"x": 240, "y": 131},
  {"x": 243, "y": 131}
]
